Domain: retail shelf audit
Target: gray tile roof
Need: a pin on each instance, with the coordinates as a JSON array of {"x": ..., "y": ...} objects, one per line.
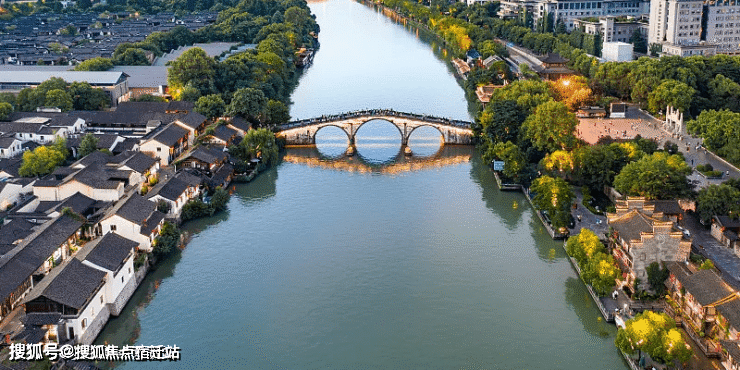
[
  {"x": 193, "y": 119},
  {"x": 34, "y": 251},
  {"x": 144, "y": 76},
  {"x": 172, "y": 190},
  {"x": 37, "y": 77},
  {"x": 75, "y": 285},
  {"x": 630, "y": 225},
  {"x": 704, "y": 285},
  {"x": 138, "y": 161},
  {"x": 189, "y": 178},
  {"x": 136, "y": 209},
  {"x": 207, "y": 155},
  {"x": 731, "y": 312},
  {"x": 170, "y": 135},
  {"x": 733, "y": 348},
  {"x": 111, "y": 251},
  {"x": 224, "y": 133},
  {"x": 11, "y": 166},
  {"x": 42, "y": 318},
  {"x": 79, "y": 203},
  {"x": 150, "y": 224},
  {"x": 16, "y": 229}
]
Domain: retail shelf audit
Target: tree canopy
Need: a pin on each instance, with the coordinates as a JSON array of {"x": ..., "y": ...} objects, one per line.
[
  {"x": 654, "y": 334},
  {"x": 656, "y": 176},
  {"x": 554, "y": 196},
  {"x": 551, "y": 126}
]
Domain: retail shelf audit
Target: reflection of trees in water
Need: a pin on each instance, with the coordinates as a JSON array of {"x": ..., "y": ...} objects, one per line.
[
  {"x": 509, "y": 206},
  {"x": 445, "y": 156},
  {"x": 125, "y": 328},
  {"x": 578, "y": 299},
  {"x": 546, "y": 250},
  {"x": 263, "y": 186}
]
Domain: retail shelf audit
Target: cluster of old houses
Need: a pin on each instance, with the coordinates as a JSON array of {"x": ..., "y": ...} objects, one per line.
[
  {"x": 643, "y": 232},
  {"x": 71, "y": 240},
  {"x": 56, "y": 39}
]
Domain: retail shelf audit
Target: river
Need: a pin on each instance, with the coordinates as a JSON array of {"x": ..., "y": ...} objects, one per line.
[{"x": 377, "y": 261}]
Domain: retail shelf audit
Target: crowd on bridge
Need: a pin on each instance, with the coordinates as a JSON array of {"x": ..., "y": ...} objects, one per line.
[{"x": 371, "y": 113}]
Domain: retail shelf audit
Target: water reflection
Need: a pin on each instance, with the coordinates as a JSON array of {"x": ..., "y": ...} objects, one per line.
[
  {"x": 259, "y": 189},
  {"x": 578, "y": 299},
  {"x": 445, "y": 156},
  {"x": 508, "y": 205},
  {"x": 125, "y": 328}
]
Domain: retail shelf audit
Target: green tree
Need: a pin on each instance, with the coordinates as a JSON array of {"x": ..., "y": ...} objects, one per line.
[
  {"x": 601, "y": 273},
  {"x": 95, "y": 64},
  {"x": 195, "y": 68},
  {"x": 5, "y": 110},
  {"x": 514, "y": 159},
  {"x": 671, "y": 93},
  {"x": 554, "y": 196},
  {"x": 88, "y": 144},
  {"x": 167, "y": 241},
  {"x": 501, "y": 120},
  {"x": 150, "y": 98},
  {"x": 584, "y": 246},
  {"x": 551, "y": 126},
  {"x": 210, "y": 106},
  {"x": 707, "y": 265},
  {"x": 220, "y": 199},
  {"x": 258, "y": 143},
  {"x": 131, "y": 57},
  {"x": 717, "y": 200},
  {"x": 247, "y": 102},
  {"x": 59, "y": 98},
  {"x": 654, "y": 334},
  {"x": 86, "y": 97},
  {"x": 657, "y": 277},
  {"x": 638, "y": 41},
  {"x": 276, "y": 112},
  {"x": 41, "y": 161},
  {"x": 656, "y": 176}
]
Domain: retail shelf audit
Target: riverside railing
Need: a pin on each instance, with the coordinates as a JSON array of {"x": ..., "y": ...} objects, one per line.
[{"x": 371, "y": 113}]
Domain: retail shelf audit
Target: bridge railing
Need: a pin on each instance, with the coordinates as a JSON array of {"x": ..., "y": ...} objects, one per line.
[{"x": 373, "y": 112}]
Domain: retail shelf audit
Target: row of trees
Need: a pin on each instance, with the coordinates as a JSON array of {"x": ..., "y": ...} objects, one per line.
[
  {"x": 54, "y": 92},
  {"x": 598, "y": 268},
  {"x": 655, "y": 334}
]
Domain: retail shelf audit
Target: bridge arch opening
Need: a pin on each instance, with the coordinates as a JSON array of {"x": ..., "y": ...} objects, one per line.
[
  {"x": 425, "y": 141},
  {"x": 378, "y": 141},
  {"x": 331, "y": 141}
]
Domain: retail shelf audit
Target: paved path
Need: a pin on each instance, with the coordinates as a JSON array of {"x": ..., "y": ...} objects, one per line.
[
  {"x": 595, "y": 223},
  {"x": 722, "y": 257}
]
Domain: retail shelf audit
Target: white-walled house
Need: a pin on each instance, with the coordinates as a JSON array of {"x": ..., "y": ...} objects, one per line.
[
  {"x": 167, "y": 144},
  {"x": 114, "y": 255},
  {"x": 10, "y": 146},
  {"x": 134, "y": 218},
  {"x": 95, "y": 182},
  {"x": 77, "y": 291},
  {"x": 176, "y": 193},
  {"x": 12, "y": 190}
]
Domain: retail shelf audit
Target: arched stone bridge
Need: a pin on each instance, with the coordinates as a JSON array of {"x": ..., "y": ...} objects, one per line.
[{"x": 303, "y": 132}]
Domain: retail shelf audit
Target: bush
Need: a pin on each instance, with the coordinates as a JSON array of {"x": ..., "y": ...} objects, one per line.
[
  {"x": 196, "y": 208},
  {"x": 167, "y": 241}
]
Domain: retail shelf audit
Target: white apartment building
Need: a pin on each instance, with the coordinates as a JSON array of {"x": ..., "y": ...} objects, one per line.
[
  {"x": 568, "y": 10},
  {"x": 611, "y": 29},
  {"x": 677, "y": 25}
]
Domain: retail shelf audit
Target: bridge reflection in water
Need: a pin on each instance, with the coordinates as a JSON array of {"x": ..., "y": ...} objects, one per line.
[{"x": 446, "y": 155}]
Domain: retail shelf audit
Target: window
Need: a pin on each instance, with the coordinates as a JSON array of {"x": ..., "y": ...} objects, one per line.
[
  {"x": 101, "y": 299},
  {"x": 159, "y": 149},
  {"x": 84, "y": 323},
  {"x": 122, "y": 279},
  {"x": 129, "y": 270},
  {"x": 112, "y": 227}
]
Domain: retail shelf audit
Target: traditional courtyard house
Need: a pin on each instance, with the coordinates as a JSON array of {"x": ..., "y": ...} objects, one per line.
[
  {"x": 114, "y": 255},
  {"x": 33, "y": 129},
  {"x": 134, "y": 218},
  {"x": 731, "y": 358},
  {"x": 167, "y": 144},
  {"x": 175, "y": 192},
  {"x": 13, "y": 190},
  {"x": 10, "y": 147},
  {"x": 105, "y": 142},
  {"x": 706, "y": 306},
  {"x": 485, "y": 92},
  {"x": 9, "y": 167},
  {"x": 642, "y": 236},
  {"x": 207, "y": 160},
  {"x": 96, "y": 181},
  {"x": 77, "y": 292},
  {"x": 194, "y": 122},
  {"x": 13, "y": 233},
  {"x": 223, "y": 135},
  {"x": 240, "y": 125},
  {"x": 29, "y": 261},
  {"x": 725, "y": 230},
  {"x": 143, "y": 166}
]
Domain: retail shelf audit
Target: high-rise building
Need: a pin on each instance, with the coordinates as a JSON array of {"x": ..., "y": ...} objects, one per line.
[{"x": 695, "y": 27}]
